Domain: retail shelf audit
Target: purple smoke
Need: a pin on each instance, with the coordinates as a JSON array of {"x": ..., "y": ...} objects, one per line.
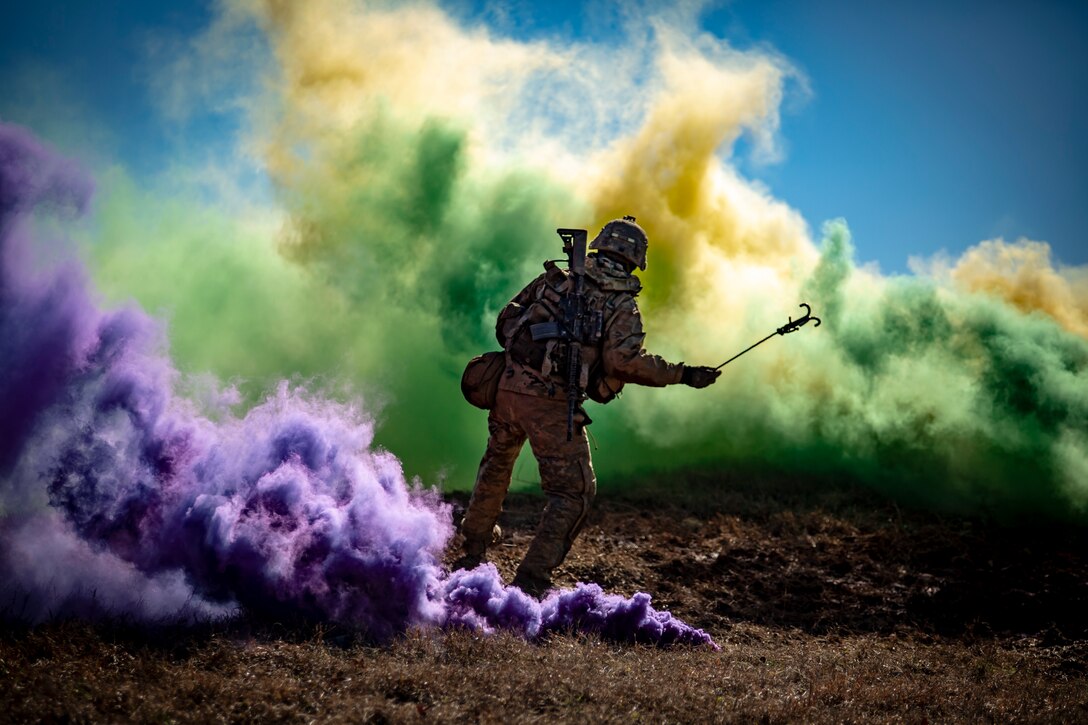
[
  {"x": 119, "y": 497},
  {"x": 478, "y": 600}
]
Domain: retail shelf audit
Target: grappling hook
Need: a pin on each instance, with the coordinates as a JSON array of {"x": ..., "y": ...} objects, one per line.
[{"x": 791, "y": 326}]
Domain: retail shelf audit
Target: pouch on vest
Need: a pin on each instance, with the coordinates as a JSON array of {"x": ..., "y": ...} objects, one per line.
[
  {"x": 480, "y": 381},
  {"x": 523, "y": 349},
  {"x": 603, "y": 388}
]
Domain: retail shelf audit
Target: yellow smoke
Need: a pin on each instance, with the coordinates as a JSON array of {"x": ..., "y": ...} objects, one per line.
[
  {"x": 1023, "y": 274},
  {"x": 340, "y": 62},
  {"x": 670, "y": 170},
  {"x": 340, "y": 57},
  {"x": 718, "y": 242},
  {"x": 717, "y": 239}
]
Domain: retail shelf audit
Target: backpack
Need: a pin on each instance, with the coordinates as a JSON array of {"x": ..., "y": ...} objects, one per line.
[
  {"x": 546, "y": 357},
  {"x": 480, "y": 381}
]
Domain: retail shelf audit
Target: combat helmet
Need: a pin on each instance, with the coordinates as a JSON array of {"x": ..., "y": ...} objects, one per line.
[{"x": 625, "y": 238}]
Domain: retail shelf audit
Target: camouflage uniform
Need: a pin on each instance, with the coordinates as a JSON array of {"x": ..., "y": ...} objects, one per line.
[{"x": 531, "y": 405}]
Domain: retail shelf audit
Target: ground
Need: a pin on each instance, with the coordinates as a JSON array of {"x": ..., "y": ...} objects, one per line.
[{"x": 830, "y": 603}]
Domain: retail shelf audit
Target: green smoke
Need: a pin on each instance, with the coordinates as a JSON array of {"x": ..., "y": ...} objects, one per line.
[
  {"x": 234, "y": 306},
  {"x": 970, "y": 399},
  {"x": 428, "y": 250},
  {"x": 932, "y": 394},
  {"x": 396, "y": 260}
]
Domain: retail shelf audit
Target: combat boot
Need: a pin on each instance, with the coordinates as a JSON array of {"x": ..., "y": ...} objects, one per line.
[
  {"x": 468, "y": 562},
  {"x": 476, "y": 551},
  {"x": 533, "y": 585}
]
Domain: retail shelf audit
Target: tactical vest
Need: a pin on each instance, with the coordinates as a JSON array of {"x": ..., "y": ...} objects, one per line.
[{"x": 546, "y": 359}]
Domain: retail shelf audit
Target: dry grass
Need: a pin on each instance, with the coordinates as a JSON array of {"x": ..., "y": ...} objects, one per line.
[
  {"x": 73, "y": 672},
  {"x": 830, "y": 608}
]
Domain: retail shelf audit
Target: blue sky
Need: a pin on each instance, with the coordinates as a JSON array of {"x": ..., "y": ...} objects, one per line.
[{"x": 927, "y": 125}]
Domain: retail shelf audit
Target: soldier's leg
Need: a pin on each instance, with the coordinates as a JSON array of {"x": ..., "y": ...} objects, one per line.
[
  {"x": 566, "y": 475},
  {"x": 493, "y": 478}
]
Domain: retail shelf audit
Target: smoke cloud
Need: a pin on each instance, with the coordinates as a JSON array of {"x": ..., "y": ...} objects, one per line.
[
  {"x": 418, "y": 166},
  {"x": 1024, "y": 275},
  {"x": 119, "y": 497}
]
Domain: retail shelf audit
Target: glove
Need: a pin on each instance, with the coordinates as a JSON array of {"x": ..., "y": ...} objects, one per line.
[{"x": 699, "y": 376}]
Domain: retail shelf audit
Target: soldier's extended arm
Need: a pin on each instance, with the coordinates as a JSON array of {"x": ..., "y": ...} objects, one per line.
[{"x": 624, "y": 356}]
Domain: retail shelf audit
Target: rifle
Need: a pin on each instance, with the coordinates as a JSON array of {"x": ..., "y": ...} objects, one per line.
[
  {"x": 791, "y": 326},
  {"x": 574, "y": 326}
]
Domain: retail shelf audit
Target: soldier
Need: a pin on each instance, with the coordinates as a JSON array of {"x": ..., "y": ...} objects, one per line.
[{"x": 531, "y": 403}]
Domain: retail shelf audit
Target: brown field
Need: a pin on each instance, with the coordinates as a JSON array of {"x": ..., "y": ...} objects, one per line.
[{"x": 829, "y": 603}]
